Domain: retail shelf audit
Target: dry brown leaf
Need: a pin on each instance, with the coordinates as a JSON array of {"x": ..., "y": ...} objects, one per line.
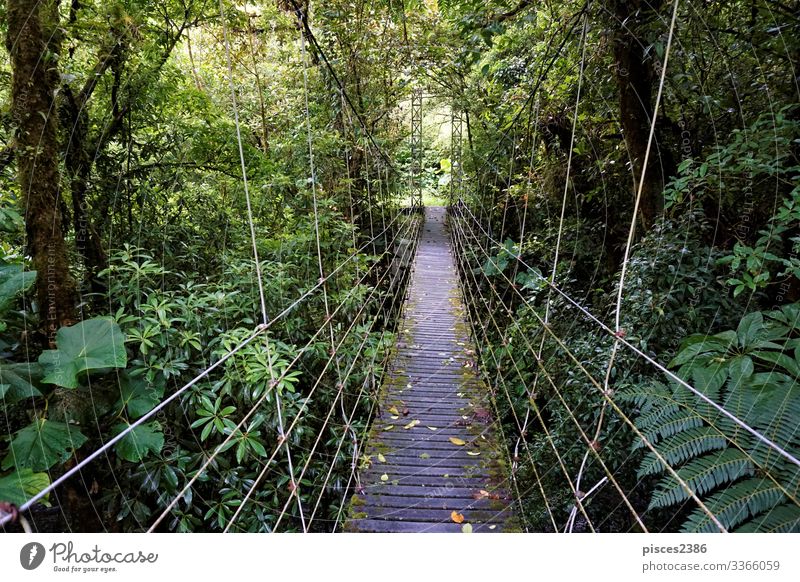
[{"x": 457, "y": 517}]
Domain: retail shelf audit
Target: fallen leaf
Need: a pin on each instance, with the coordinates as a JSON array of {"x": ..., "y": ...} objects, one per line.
[
  {"x": 492, "y": 527},
  {"x": 394, "y": 411},
  {"x": 388, "y": 427},
  {"x": 432, "y": 428},
  {"x": 457, "y": 441},
  {"x": 473, "y": 453},
  {"x": 384, "y": 477},
  {"x": 411, "y": 424},
  {"x": 381, "y": 458},
  {"x": 457, "y": 517},
  {"x": 424, "y": 456},
  {"x": 466, "y": 528}
]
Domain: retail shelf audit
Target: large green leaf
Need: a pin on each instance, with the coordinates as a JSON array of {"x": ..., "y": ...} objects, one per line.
[
  {"x": 42, "y": 444},
  {"x": 13, "y": 281},
  {"x": 19, "y": 486},
  {"x": 19, "y": 378},
  {"x": 89, "y": 345},
  {"x": 143, "y": 439},
  {"x": 138, "y": 395},
  {"x": 749, "y": 328}
]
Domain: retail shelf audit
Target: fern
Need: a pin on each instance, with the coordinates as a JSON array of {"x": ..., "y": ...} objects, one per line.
[
  {"x": 671, "y": 424},
  {"x": 702, "y": 475},
  {"x": 752, "y": 372},
  {"x": 781, "y": 519},
  {"x": 736, "y": 504},
  {"x": 683, "y": 446}
]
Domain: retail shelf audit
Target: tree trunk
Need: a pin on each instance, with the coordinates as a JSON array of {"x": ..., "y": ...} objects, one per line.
[
  {"x": 32, "y": 27},
  {"x": 78, "y": 165},
  {"x": 634, "y": 78}
]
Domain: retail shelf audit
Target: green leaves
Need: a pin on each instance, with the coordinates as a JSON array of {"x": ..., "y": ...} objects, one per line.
[
  {"x": 771, "y": 257},
  {"x": 246, "y": 442},
  {"x": 18, "y": 381},
  {"x": 139, "y": 442},
  {"x": 752, "y": 373},
  {"x": 13, "y": 281},
  {"x": 138, "y": 396},
  {"x": 42, "y": 444},
  {"x": 703, "y": 475},
  {"x": 18, "y": 487},
  {"x": 213, "y": 416},
  {"x": 508, "y": 252},
  {"x": 89, "y": 345}
]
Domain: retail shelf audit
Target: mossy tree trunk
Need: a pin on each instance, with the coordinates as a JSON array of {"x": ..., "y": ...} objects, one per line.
[
  {"x": 634, "y": 74},
  {"x": 31, "y": 40}
]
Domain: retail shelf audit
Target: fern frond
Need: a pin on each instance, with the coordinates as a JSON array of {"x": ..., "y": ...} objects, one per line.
[
  {"x": 656, "y": 415},
  {"x": 681, "y": 447},
  {"x": 702, "y": 475},
  {"x": 672, "y": 424},
  {"x": 750, "y": 373},
  {"x": 652, "y": 395},
  {"x": 782, "y": 519},
  {"x": 736, "y": 504}
]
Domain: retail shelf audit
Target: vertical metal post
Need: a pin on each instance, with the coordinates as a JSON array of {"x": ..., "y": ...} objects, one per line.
[
  {"x": 456, "y": 170},
  {"x": 416, "y": 149}
]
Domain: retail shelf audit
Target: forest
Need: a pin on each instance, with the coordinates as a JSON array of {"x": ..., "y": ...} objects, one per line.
[{"x": 208, "y": 218}]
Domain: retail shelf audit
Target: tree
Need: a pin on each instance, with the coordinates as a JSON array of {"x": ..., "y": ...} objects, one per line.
[
  {"x": 634, "y": 74},
  {"x": 32, "y": 41}
]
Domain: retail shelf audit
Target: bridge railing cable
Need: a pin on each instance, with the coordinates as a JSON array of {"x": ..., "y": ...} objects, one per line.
[
  {"x": 571, "y": 414},
  {"x": 287, "y": 432}
]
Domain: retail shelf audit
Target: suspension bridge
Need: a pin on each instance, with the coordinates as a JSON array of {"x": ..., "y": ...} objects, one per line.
[{"x": 434, "y": 463}]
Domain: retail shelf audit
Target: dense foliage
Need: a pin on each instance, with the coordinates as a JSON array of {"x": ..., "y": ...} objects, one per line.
[
  {"x": 715, "y": 249},
  {"x": 158, "y": 273},
  {"x": 128, "y": 264}
]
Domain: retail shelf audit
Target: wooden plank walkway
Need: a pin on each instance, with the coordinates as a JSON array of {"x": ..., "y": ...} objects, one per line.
[{"x": 433, "y": 453}]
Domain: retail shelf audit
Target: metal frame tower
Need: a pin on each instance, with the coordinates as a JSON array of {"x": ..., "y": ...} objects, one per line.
[
  {"x": 456, "y": 169},
  {"x": 416, "y": 149}
]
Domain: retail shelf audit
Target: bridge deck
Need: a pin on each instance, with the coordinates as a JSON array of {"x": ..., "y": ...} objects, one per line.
[{"x": 433, "y": 453}]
